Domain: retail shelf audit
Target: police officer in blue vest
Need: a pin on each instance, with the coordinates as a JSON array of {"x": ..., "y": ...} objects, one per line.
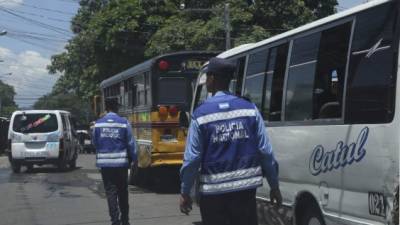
[
  {"x": 228, "y": 148},
  {"x": 115, "y": 148}
]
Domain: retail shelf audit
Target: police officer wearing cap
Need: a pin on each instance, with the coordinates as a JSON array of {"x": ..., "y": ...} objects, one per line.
[
  {"x": 228, "y": 148},
  {"x": 115, "y": 148}
]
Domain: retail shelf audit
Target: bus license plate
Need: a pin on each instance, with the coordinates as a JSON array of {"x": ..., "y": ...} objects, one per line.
[{"x": 377, "y": 204}]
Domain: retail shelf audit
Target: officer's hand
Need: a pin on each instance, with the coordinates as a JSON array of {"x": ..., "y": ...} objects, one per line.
[
  {"x": 185, "y": 204},
  {"x": 275, "y": 196}
]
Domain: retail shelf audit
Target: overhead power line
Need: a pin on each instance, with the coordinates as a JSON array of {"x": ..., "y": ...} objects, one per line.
[
  {"x": 47, "y": 9},
  {"x": 41, "y": 16},
  {"x": 70, "y": 1},
  {"x": 34, "y": 44},
  {"x": 37, "y": 38},
  {"x": 17, "y": 31},
  {"x": 38, "y": 23}
]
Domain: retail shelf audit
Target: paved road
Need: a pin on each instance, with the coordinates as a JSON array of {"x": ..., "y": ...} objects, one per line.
[{"x": 46, "y": 196}]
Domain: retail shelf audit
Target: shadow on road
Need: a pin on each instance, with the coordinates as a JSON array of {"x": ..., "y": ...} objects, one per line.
[
  {"x": 163, "y": 180},
  {"x": 50, "y": 169}
]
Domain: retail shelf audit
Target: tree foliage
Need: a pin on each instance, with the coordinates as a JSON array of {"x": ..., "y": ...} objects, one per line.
[
  {"x": 112, "y": 35},
  {"x": 70, "y": 102},
  {"x": 7, "y": 94}
]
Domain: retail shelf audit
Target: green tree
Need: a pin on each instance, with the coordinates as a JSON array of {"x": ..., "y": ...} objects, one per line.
[
  {"x": 80, "y": 109},
  {"x": 193, "y": 29},
  {"x": 7, "y": 94},
  {"x": 112, "y": 35}
]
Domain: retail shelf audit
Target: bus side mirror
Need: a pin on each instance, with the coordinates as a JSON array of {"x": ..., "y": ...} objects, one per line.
[{"x": 183, "y": 119}]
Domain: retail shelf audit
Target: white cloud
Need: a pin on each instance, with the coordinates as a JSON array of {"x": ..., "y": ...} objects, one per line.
[
  {"x": 11, "y": 3},
  {"x": 30, "y": 77}
]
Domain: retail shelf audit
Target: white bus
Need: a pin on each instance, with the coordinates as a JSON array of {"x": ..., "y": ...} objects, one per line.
[{"x": 327, "y": 92}]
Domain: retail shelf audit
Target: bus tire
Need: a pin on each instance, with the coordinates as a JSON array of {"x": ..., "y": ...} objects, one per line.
[
  {"x": 311, "y": 216},
  {"x": 29, "y": 168},
  {"x": 62, "y": 165},
  {"x": 72, "y": 163},
  {"x": 136, "y": 175},
  {"x": 16, "y": 167}
]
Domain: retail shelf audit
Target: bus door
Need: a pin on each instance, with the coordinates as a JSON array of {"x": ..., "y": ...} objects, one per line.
[
  {"x": 370, "y": 173},
  {"x": 313, "y": 111},
  {"x": 300, "y": 94}
]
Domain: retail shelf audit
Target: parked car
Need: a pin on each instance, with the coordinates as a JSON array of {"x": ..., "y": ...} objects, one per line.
[{"x": 38, "y": 137}]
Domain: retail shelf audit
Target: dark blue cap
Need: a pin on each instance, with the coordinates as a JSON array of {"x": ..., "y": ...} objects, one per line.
[{"x": 220, "y": 67}]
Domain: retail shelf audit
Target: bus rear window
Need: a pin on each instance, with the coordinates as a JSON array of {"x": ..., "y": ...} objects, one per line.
[
  {"x": 35, "y": 123},
  {"x": 172, "y": 90}
]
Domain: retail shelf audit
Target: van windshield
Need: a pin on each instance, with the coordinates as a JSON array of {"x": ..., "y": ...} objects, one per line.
[{"x": 35, "y": 123}]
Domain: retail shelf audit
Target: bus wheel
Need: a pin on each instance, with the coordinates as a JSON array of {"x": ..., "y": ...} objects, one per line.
[
  {"x": 311, "y": 216},
  {"x": 135, "y": 175},
  {"x": 62, "y": 165},
  {"x": 16, "y": 167},
  {"x": 72, "y": 163},
  {"x": 29, "y": 168}
]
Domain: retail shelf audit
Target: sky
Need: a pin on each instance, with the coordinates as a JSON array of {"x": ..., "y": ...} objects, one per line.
[{"x": 36, "y": 30}]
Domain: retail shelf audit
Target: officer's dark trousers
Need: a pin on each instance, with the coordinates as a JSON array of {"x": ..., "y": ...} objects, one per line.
[
  {"x": 236, "y": 208},
  {"x": 116, "y": 186}
]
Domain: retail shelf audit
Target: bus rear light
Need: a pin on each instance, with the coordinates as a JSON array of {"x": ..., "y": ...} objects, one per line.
[
  {"x": 163, "y": 65},
  {"x": 162, "y": 111},
  {"x": 173, "y": 111}
]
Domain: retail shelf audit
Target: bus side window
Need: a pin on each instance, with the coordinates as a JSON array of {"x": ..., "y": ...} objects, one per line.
[
  {"x": 331, "y": 67},
  {"x": 126, "y": 102},
  {"x": 237, "y": 81},
  {"x": 255, "y": 76},
  {"x": 300, "y": 83},
  {"x": 371, "y": 81},
  {"x": 147, "y": 88},
  {"x": 140, "y": 90},
  {"x": 134, "y": 92},
  {"x": 276, "y": 67},
  {"x": 130, "y": 92},
  {"x": 121, "y": 96}
]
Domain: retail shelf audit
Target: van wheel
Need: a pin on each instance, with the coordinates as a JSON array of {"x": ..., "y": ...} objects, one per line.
[
  {"x": 16, "y": 167},
  {"x": 311, "y": 216}
]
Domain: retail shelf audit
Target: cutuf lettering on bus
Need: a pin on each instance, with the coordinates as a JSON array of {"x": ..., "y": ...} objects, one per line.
[{"x": 322, "y": 161}]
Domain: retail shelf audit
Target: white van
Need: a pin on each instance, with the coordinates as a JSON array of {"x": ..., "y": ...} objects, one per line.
[
  {"x": 38, "y": 137},
  {"x": 329, "y": 93}
]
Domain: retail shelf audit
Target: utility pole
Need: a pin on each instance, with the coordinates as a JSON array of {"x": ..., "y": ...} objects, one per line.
[
  {"x": 227, "y": 25},
  {"x": 2, "y": 33}
]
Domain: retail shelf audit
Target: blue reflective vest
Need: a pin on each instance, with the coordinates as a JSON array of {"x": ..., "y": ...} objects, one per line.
[
  {"x": 230, "y": 161},
  {"x": 113, "y": 141}
]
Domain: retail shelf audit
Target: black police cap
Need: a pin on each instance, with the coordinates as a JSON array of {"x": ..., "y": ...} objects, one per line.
[{"x": 220, "y": 67}]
